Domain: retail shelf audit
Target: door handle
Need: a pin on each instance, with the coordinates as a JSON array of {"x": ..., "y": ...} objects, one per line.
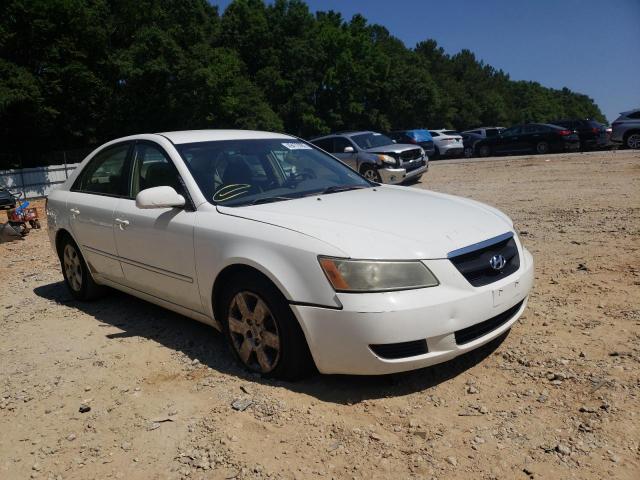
[
  {"x": 122, "y": 223},
  {"x": 74, "y": 211}
]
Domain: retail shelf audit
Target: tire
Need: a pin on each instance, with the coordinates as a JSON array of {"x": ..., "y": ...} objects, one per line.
[
  {"x": 370, "y": 173},
  {"x": 76, "y": 274},
  {"x": 274, "y": 345},
  {"x": 468, "y": 152},
  {"x": 632, "y": 141},
  {"x": 542, "y": 148},
  {"x": 484, "y": 150}
]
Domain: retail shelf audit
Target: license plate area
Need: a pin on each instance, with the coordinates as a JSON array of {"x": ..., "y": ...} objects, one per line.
[{"x": 506, "y": 293}]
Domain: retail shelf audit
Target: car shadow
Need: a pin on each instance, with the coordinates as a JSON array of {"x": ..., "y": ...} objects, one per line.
[{"x": 138, "y": 318}]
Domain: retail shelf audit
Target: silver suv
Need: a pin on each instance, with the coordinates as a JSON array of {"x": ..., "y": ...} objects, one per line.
[
  {"x": 376, "y": 156},
  {"x": 626, "y": 129}
]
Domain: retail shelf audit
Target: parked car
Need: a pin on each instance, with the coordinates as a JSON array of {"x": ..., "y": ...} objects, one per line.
[
  {"x": 539, "y": 138},
  {"x": 469, "y": 141},
  {"x": 448, "y": 143},
  {"x": 592, "y": 134},
  {"x": 417, "y": 137},
  {"x": 7, "y": 200},
  {"x": 485, "y": 132},
  {"x": 314, "y": 266},
  {"x": 376, "y": 156},
  {"x": 626, "y": 129}
]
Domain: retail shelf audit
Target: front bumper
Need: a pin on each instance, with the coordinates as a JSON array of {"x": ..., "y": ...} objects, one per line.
[
  {"x": 394, "y": 176},
  {"x": 340, "y": 340}
]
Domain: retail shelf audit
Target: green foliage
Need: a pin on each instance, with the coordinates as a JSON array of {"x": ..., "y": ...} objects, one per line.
[{"x": 75, "y": 73}]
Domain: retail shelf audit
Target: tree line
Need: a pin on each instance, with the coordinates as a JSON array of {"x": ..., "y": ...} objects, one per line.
[{"x": 75, "y": 73}]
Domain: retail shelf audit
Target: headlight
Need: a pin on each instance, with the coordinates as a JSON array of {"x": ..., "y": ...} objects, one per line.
[
  {"x": 388, "y": 159},
  {"x": 376, "y": 276}
]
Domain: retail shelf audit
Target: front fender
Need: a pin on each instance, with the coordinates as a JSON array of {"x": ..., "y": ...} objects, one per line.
[{"x": 288, "y": 258}]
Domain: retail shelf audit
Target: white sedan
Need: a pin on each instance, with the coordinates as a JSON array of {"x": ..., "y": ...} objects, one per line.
[
  {"x": 299, "y": 260},
  {"x": 448, "y": 143}
]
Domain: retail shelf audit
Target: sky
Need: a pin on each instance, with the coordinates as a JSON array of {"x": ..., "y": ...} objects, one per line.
[{"x": 589, "y": 46}]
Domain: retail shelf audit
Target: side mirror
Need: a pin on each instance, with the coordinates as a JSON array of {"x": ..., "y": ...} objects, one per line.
[
  {"x": 159, "y": 197},
  {"x": 348, "y": 150}
]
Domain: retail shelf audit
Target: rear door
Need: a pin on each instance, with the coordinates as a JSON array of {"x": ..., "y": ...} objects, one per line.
[
  {"x": 155, "y": 246},
  {"x": 92, "y": 201}
]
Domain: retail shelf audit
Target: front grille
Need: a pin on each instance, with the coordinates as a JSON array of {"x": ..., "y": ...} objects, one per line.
[
  {"x": 400, "y": 350},
  {"x": 412, "y": 166},
  {"x": 478, "y": 330},
  {"x": 410, "y": 155},
  {"x": 475, "y": 265}
]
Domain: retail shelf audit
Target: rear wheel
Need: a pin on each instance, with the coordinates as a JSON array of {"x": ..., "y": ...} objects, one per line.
[
  {"x": 262, "y": 331},
  {"x": 542, "y": 148},
  {"x": 633, "y": 141},
  {"x": 371, "y": 173},
  {"x": 75, "y": 272}
]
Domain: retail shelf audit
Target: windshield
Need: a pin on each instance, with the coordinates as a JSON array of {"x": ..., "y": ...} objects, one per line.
[
  {"x": 420, "y": 135},
  {"x": 241, "y": 172},
  {"x": 371, "y": 140},
  {"x": 451, "y": 132}
]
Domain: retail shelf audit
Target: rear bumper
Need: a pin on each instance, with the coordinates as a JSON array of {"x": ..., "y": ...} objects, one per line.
[
  {"x": 398, "y": 175},
  {"x": 450, "y": 150},
  {"x": 440, "y": 317}
]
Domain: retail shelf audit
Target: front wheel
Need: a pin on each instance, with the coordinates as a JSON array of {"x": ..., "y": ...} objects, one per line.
[
  {"x": 484, "y": 150},
  {"x": 468, "y": 152},
  {"x": 261, "y": 329},
  {"x": 633, "y": 141},
  {"x": 542, "y": 148},
  {"x": 371, "y": 173}
]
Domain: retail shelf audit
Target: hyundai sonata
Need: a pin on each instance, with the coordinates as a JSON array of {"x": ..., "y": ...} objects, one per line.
[{"x": 297, "y": 258}]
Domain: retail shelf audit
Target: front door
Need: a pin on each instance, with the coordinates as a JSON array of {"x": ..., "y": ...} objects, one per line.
[
  {"x": 349, "y": 158},
  {"x": 155, "y": 246},
  {"x": 92, "y": 201}
]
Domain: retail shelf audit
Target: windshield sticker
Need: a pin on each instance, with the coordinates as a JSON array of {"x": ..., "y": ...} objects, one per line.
[
  {"x": 297, "y": 146},
  {"x": 231, "y": 191}
]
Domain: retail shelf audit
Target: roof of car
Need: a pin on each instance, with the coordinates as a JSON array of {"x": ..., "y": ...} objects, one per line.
[
  {"x": 194, "y": 136},
  {"x": 346, "y": 133}
]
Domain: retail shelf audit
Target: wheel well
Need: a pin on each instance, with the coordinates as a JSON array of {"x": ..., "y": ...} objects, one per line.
[
  {"x": 629, "y": 132},
  {"x": 61, "y": 235},
  {"x": 367, "y": 165},
  {"x": 225, "y": 276}
]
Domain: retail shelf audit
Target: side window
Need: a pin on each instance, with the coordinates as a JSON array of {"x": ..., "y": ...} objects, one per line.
[
  {"x": 529, "y": 129},
  {"x": 105, "y": 174},
  {"x": 340, "y": 143},
  {"x": 492, "y": 132},
  {"x": 634, "y": 115},
  {"x": 512, "y": 131},
  {"x": 325, "y": 144},
  {"x": 152, "y": 168}
]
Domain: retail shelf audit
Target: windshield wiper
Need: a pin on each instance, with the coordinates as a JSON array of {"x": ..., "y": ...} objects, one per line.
[
  {"x": 258, "y": 201},
  {"x": 340, "y": 188}
]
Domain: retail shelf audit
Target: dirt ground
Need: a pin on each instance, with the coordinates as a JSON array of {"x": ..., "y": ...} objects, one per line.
[{"x": 558, "y": 397}]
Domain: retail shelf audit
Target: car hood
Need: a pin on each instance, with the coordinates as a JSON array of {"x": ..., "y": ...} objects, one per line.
[
  {"x": 386, "y": 222},
  {"x": 393, "y": 148}
]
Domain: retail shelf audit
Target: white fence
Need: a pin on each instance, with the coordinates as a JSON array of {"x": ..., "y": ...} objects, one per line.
[{"x": 35, "y": 182}]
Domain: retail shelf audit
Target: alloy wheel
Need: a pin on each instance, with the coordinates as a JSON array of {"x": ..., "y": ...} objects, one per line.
[
  {"x": 634, "y": 141},
  {"x": 542, "y": 148},
  {"x": 254, "y": 332},
  {"x": 372, "y": 175},
  {"x": 72, "y": 267}
]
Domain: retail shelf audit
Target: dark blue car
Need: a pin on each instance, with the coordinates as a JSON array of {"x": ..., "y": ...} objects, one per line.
[{"x": 416, "y": 136}]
